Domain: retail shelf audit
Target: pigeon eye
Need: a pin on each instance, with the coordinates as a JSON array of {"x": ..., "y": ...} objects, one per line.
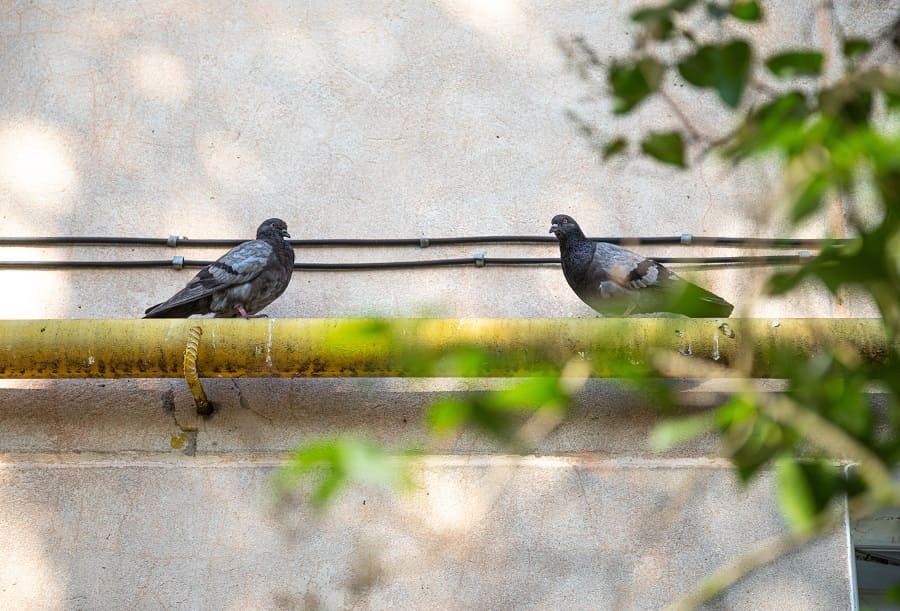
[{"x": 565, "y": 221}]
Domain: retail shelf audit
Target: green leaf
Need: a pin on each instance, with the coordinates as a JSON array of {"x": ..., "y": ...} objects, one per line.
[
  {"x": 530, "y": 394},
  {"x": 648, "y": 13},
  {"x": 792, "y": 63},
  {"x": 892, "y": 594},
  {"x": 716, "y": 11},
  {"x": 889, "y": 84},
  {"x": 780, "y": 283},
  {"x": 461, "y": 362},
  {"x": 657, "y": 21},
  {"x": 615, "y": 147},
  {"x": 479, "y": 411},
  {"x": 805, "y": 489},
  {"x": 892, "y": 100},
  {"x": 447, "y": 415},
  {"x": 854, "y": 47},
  {"x": 857, "y": 110},
  {"x": 724, "y": 68},
  {"x": 751, "y": 439},
  {"x": 776, "y": 124},
  {"x": 632, "y": 82},
  {"x": 676, "y": 431},
  {"x": 332, "y": 464},
  {"x": 795, "y": 498},
  {"x": 643, "y": 15},
  {"x": 848, "y": 102},
  {"x": 666, "y": 147},
  {"x": 734, "y": 68},
  {"x": 659, "y": 29},
  {"x": 681, "y": 5},
  {"x": 858, "y": 261},
  {"x": 747, "y": 10},
  {"x": 499, "y": 423},
  {"x": 833, "y": 384},
  {"x": 810, "y": 198},
  {"x": 738, "y": 410}
]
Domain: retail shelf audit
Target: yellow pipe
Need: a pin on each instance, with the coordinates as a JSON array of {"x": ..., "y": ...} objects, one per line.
[{"x": 409, "y": 347}]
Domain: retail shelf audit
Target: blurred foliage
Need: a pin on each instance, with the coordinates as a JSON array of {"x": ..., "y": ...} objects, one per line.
[
  {"x": 831, "y": 122},
  {"x": 517, "y": 416},
  {"x": 830, "y": 119},
  {"x": 666, "y": 147},
  {"x": 503, "y": 413},
  {"x": 326, "y": 466}
]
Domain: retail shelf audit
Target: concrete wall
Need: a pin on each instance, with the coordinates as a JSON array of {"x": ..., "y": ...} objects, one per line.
[{"x": 347, "y": 119}]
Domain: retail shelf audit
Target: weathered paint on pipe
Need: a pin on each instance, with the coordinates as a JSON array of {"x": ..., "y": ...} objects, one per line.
[{"x": 401, "y": 346}]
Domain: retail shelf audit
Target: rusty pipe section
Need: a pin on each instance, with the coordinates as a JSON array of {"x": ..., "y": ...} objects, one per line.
[{"x": 393, "y": 347}]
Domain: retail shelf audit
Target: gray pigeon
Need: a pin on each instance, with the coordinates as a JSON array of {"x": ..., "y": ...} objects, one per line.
[
  {"x": 618, "y": 282},
  {"x": 242, "y": 282}
]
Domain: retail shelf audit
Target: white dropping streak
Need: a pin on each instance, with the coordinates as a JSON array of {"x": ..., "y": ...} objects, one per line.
[{"x": 269, "y": 344}]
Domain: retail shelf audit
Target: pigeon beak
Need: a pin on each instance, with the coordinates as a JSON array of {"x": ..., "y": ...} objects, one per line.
[
  {"x": 554, "y": 228},
  {"x": 285, "y": 234}
]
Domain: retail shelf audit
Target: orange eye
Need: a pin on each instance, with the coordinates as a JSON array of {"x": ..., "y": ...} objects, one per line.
[{"x": 565, "y": 221}]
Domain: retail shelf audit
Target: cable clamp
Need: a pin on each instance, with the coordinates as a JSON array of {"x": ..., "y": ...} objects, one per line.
[
  {"x": 172, "y": 242},
  {"x": 178, "y": 262},
  {"x": 479, "y": 259},
  {"x": 804, "y": 254},
  {"x": 686, "y": 239},
  {"x": 423, "y": 242}
]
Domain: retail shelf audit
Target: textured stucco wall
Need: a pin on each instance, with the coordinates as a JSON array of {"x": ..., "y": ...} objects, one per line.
[
  {"x": 347, "y": 119},
  {"x": 350, "y": 120}
]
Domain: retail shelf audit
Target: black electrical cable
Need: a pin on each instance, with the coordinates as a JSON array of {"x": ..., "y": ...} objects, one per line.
[
  {"x": 425, "y": 242},
  {"x": 477, "y": 261},
  {"x": 76, "y": 240},
  {"x": 878, "y": 556}
]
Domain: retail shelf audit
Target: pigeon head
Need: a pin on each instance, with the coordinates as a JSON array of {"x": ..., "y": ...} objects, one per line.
[
  {"x": 564, "y": 226},
  {"x": 272, "y": 228}
]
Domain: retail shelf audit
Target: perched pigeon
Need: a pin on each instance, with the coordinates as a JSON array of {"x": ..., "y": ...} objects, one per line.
[
  {"x": 617, "y": 282},
  {"x": 242, "y": 282}
]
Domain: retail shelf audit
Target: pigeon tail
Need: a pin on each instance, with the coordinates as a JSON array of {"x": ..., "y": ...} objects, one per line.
[
  {"x": 181, "y": 310},
  {"x": 697, "y": 302}
]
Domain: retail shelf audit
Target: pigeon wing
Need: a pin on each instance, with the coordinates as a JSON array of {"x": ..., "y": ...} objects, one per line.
[
  {"x": 630, "y": 270},
  {"x": 656, "y": 288},
  {"x": 241, "y": 264}
]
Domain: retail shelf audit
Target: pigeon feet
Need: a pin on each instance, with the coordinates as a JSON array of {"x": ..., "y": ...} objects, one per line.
[{"x": 244, "y": 314}]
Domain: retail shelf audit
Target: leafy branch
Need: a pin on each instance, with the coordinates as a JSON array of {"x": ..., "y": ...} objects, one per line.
[{"x": 830, "y": 138}]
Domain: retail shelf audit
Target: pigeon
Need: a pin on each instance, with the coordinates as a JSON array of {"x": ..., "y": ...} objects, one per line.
[
  {"x": 618, "y": 282},
  {"x": 242, "y": 282}
]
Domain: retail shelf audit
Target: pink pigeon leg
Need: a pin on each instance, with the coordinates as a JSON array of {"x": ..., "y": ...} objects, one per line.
[{"x": 244, "y": 314}]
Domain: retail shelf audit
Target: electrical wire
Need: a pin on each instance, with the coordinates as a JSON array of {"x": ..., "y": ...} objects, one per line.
[
  {"x": 173, "y": 241},
  {"x": 477, "y": 261}
]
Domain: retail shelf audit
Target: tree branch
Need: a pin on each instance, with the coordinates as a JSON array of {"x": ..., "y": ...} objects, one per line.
[
  {"x": 772, "y": 549},
  {"x": 730, "y": 573},
  {"x": 833, "y": 440},
  {"x": 694, "y": 135}
]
